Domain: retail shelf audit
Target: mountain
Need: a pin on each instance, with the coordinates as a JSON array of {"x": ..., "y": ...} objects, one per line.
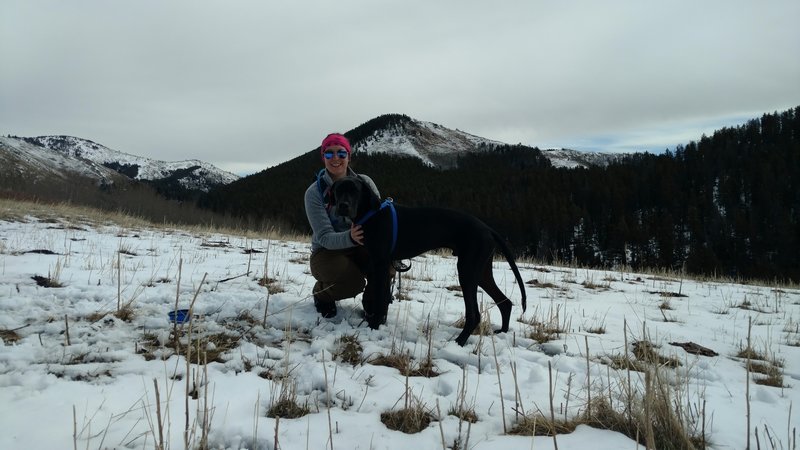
[
  {"x": 82, "y": 172},
  {"x": 191, "y": 175},
  {"x": 31, "y": 163},
  {"x": 440, "y": 147}
]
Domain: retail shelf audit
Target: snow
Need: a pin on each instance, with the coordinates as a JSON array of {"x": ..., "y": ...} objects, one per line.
[{"x": 99, "y": 382}]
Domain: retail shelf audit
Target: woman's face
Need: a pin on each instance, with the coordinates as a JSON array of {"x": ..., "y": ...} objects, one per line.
[{"x": 336, "y": 165}]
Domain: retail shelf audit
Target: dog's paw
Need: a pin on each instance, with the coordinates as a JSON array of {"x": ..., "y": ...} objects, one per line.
[
  {"x": 325, "y": 309},
  {"x": 374, "y": 321}
]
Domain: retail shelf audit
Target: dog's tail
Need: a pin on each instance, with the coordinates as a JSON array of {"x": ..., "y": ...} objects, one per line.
[{"x": 510, "y": 258}]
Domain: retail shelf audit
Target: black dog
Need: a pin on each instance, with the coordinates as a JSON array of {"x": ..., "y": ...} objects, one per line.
[{"x": 393, "y": 232}]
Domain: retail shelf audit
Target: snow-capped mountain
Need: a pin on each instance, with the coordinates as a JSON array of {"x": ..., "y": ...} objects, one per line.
[
  {"x": 23, "y": 160},
  {"x": 433, "y": 144},
  {"x": 439, "y": 146},
  {"x": 192, "y": 175}
]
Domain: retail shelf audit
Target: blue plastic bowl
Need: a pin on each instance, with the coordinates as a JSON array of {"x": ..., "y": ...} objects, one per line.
[{"x": 179, "y": 316}]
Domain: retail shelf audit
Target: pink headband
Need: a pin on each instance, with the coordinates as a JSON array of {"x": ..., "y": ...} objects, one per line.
[{"x": 335, "y": 139}]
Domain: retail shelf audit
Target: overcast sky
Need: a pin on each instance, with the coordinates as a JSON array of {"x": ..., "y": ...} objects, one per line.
[{"x": 248, "y": 84}]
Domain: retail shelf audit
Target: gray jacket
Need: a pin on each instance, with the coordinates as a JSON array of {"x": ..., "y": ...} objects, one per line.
[{"x": 329, "y": 230}]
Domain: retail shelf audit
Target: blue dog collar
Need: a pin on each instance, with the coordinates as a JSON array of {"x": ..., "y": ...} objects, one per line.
[{"x": 386, "y": 204}]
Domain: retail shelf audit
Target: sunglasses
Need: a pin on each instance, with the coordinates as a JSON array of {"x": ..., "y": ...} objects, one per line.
[{"x": 341, "y": 154}]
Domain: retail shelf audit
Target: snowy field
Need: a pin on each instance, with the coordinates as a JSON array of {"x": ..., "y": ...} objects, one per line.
[{"x": 92, "y": 364}]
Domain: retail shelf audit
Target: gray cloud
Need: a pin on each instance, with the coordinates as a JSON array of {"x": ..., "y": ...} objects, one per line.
[{"x": 249, "y": 84}]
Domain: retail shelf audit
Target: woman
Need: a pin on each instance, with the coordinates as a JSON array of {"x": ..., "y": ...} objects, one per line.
[{"x": 338, "y": 259}]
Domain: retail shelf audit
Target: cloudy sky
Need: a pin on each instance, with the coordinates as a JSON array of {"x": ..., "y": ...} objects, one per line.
[{"x": 248, "y": 84}]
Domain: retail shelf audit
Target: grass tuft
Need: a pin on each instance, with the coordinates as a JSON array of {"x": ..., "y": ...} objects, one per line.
[
  {"x": 413, "y": 419},
  {"x": 405, "y": 364},
  {"x": 9, "y": 336},
  {"x": 349, "y": 350},
  {"x": 464, "y": 413},
  {"x": 645, "y": 351},
  {"x": 126, "y": 313},
  {"x": 540, "y": 425},
  {"x": 273, "y": 285},
  {"x": 286, "y": 405}
]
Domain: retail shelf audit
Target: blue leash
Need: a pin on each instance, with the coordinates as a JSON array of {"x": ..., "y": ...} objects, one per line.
[{"x": 386, "y": 204}]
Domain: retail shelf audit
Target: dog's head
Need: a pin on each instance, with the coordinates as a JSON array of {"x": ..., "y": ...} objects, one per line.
[{"x": 352, "y": 197}]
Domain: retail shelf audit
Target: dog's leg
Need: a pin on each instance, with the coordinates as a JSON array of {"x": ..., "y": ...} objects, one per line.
[
  {"x": 368, "y": 299},
  {"x": 380, "y": 296},
  {"x": 489, "y": 286},
  {"x": 467, "y": 278}
]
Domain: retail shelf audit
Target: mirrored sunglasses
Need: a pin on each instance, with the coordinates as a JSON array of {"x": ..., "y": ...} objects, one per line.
[{"x": 341, "y": 154}]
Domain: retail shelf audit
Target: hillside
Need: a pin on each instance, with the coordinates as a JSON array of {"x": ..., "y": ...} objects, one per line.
[
  {"x": 31, "y": 171},
  {"x": 24, "y": 160}
]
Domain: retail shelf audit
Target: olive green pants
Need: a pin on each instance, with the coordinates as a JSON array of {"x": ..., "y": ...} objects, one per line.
[{"x": 339, "y": 273}]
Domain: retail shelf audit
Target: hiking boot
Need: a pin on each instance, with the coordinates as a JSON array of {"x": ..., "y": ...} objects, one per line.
[{"x": 325, "y": 309}]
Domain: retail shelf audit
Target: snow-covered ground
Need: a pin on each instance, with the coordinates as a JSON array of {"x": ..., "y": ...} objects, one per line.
[{"x": 74, "y": 375}]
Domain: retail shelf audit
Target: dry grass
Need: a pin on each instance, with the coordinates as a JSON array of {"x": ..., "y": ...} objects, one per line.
[
  {"x": 751, "y": 353},
  {"x": 202, "y": 349},
  {"x": 9, "y": 336},
  {"x": 645, "y": 351},
  {"x": 287, "y": 409},
  {"x": 772, "y": 375},
  {"x": 126, "y": 313},
  {"x": 349, "y": 350},
  {"x": 591, "y": 284},
  {"x": 273, "y": 285},
  {"x": 406, "y": 365},
  {"x": 536, "y": 283},
  {"x": 623, "y": 363},
  {"x": 413, "y": 419},
  {"x": 546, "y": 327},
  {"x": 544, "y": 332},
  {"x": 286, "y": 405},
  {"x": 484, "y": 327},
  {"x": 646, "y": 358},
  {"x": 651, "y": 417},
  {"x": 540, "y": 425},
  {"x": 464, "y": 413}
]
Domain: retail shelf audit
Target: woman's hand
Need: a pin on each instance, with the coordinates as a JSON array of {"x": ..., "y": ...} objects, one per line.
[{"x": 356, "y": 234}]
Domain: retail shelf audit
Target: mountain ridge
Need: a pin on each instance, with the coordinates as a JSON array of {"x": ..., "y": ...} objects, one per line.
[
  {"x": 195, "y": 174},
  {"x": 440, "y": 147}
]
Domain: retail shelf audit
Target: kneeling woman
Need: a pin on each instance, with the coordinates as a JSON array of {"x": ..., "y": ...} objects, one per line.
[{"x": 338, "y": 259}]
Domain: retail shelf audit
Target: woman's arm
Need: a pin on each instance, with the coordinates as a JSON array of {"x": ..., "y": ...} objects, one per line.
[{"x": 324, "y": 233}]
